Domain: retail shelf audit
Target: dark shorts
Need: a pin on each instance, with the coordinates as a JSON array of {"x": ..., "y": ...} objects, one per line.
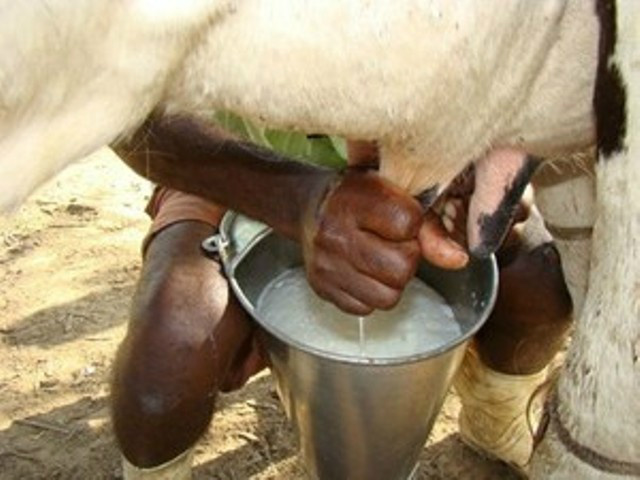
[{"x": 167, "y": 206}]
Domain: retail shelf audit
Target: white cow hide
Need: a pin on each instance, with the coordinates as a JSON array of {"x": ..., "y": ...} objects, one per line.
[{"x": 437, "y": 83}]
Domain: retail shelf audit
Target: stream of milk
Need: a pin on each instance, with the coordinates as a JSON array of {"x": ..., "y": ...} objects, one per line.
[{"x": 421, "y": 322}]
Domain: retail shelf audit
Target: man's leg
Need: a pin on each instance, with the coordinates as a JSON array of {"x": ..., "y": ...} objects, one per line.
[
  {"x": 188, "y": 338},
  {"x": 507, "y": 362}
]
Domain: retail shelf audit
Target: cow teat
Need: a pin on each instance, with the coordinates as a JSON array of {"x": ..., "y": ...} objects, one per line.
[{"x": 501, "y": 178}]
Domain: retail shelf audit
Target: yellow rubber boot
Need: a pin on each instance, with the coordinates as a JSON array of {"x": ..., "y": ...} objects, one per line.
[
  {"x": 500, "y": 412},
  {"x": 178, "y": 468}
]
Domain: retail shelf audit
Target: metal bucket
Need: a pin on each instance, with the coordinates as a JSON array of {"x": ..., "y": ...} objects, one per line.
[{"x": 356, "y": 418}]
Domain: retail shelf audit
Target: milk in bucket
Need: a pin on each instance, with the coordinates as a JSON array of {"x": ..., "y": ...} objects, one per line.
[{"x": 421, "y": 322}]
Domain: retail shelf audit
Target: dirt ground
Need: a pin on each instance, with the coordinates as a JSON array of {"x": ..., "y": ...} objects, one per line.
[{"x": 69, "y": 259}]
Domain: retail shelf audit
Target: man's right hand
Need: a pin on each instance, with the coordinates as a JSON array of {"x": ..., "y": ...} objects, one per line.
[{"x": 360, "y": 242}]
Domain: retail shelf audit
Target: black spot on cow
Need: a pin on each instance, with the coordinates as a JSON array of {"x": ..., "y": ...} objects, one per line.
[
  {"x": 428, "y": 196},
  {"x": 494, "y": 227},
  {"x": 609, "y": 101}
]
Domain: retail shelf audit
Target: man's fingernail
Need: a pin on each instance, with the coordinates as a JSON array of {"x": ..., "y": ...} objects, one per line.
[{"x": 459, "y": 256}]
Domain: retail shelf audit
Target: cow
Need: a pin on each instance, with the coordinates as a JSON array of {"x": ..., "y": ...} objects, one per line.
[{"x": 437, "y": 84}]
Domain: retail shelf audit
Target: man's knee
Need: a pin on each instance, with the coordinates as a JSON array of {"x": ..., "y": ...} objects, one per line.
[
  {"x": 532, "y": 313},
  {"x": 167, "y": 368},
  {"x": 163, "y": 364},
  {"x": 167, "y": 364}
]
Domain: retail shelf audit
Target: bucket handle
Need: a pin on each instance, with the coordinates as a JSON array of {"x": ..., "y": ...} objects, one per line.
[{"x": 229, "y": 249}]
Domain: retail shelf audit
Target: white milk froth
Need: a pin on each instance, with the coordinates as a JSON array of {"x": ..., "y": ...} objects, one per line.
[{"x": 421, "y": 322}]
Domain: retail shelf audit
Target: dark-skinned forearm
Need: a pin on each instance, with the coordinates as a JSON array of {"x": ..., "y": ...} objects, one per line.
[{"x": 187, "y": 155}]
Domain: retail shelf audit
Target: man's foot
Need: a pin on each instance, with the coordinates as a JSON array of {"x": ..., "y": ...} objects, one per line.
[{"x": 500, "y": 412}]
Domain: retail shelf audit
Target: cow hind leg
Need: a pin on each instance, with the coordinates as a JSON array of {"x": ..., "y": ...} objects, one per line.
[{"x": 594, "y": 415}]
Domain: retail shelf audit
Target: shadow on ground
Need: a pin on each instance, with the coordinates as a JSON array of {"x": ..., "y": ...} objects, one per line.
[
  {"x": 450, "y": 458},
  {"x": 87, "y": 316}
]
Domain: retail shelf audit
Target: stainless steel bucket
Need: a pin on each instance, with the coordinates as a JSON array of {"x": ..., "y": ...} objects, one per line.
[{"x": 355, "y": 418}]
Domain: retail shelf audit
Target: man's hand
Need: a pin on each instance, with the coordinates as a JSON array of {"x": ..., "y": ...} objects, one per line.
[{"x": 360, "y": 242}]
